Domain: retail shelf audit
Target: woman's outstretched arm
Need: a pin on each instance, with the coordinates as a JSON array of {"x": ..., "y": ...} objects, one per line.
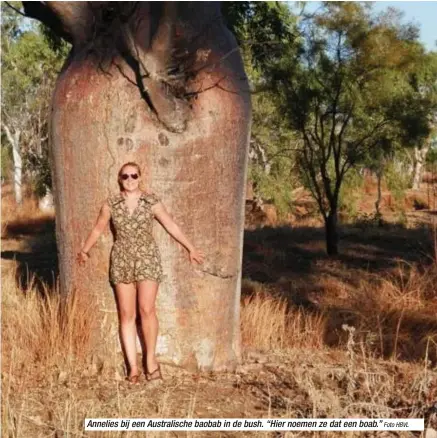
[
  {"x": 173, "y": 229},
  {"x": 102, "y": 222}
]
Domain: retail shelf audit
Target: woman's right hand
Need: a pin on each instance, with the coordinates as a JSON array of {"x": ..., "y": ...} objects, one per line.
[{"x": 82, "y": 258}]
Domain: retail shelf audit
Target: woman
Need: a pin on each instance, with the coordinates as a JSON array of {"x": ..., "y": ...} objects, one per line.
[{"x": 135, "y": 262}]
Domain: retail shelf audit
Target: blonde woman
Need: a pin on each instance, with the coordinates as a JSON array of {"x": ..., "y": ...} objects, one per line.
[{"x": 135, "y": 262}]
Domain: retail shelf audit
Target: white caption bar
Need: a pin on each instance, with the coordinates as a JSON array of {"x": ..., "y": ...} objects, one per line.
[{"x": 257, "y": 424}]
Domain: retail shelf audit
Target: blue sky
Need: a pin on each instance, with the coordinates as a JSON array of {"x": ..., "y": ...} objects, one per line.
[{"x": 421, "y": 13}]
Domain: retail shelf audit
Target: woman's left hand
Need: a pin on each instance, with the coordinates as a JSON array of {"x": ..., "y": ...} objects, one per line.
[{"x": 197, "y": 256}]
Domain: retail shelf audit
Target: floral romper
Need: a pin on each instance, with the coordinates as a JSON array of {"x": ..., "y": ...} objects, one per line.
[{"x": 134, "y": 255}]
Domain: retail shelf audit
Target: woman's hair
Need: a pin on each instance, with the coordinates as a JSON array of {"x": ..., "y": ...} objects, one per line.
[{"x": 130, "y": 163}]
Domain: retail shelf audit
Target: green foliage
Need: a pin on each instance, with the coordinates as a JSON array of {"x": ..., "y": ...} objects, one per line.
[
  {"x": 31, "y": 61},
  {"x": 273, "y": 187},
  {"x": 263, "y": 29},
  {"x": 30, "y": 67},
  {"x": 346, "y": 87},
  {"x": 56, "y": 44},
  {"x": 272, "y": 167},
  {"x": 350, "y": 194},
  {"x": 398, "y": 180},
  {"x": 431, "y": 157},
  {"x": 6, "y": 161},
  {"x": 38, "y": 167}
]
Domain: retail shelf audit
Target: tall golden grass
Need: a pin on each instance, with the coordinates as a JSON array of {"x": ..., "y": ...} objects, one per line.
[
  {"x": 47, "y": 329},
  {"x": 393, "y": 315},
  {"x": 267, "y": 322},
  {"x": 42, "y": 327},
  {"x": 388, "y": 316},
  {"x": 42, "y": 332}
]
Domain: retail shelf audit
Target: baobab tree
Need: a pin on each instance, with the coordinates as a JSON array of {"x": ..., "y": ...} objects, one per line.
[{"x": 162, "y": 84}]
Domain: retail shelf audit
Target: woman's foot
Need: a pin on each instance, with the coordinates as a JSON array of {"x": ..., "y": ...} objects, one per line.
[
  {"x": 155, "y": 374},
  {"x": 134, "y": 376}
]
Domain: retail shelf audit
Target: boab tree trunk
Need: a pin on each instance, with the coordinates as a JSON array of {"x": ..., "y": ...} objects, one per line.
[{"x": 160, "y": 83}]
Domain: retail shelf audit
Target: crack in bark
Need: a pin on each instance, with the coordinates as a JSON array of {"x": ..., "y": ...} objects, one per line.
[
  {"x": 105, "y": 133},
  {"x": 214, "y": 273}
]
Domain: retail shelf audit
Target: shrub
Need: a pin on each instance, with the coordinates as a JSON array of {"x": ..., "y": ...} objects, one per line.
[{"x": 350, "y": 194}]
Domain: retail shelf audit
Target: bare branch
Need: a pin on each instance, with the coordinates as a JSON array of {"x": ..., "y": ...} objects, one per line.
[
  {"x": 8, "y": 134},
  {"x": 337, "y": 153},
  {"x": 41, "y": 11},
  {"x": 281, "y": 153},
  {"x": 16, "y": 10},
  {"x": 375, "y": 128},
  {"x": 309, "y": 166}
]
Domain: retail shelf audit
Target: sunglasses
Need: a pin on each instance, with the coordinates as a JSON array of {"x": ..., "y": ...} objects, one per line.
[{"x": 125, "y": 176}]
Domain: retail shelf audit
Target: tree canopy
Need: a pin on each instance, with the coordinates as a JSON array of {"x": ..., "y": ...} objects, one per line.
[{"x": 333, "y": 90}]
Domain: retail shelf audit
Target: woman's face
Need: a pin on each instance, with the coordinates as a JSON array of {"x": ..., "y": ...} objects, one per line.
[{"x": 130, "y": 183}]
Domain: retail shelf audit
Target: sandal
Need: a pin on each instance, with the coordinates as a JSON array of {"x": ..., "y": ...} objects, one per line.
[
  {"x": 158, "y": 377},
  {"x": 133, "y": 379}
]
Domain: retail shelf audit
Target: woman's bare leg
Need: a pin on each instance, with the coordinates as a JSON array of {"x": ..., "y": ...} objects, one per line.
[
  {"x": 126, "y": 297},
  {"x": 147, "y": 291}
]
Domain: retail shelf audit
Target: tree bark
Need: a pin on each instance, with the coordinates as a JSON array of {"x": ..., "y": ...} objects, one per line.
[
  {"x": 379, "y": 191},
  {"x": 420, "y": 156},
  {"x": 379, "y": 175},
  {"x": 331, "y": 233},
  {"x": 14, "y": 140},
  {"x": 193, "y": 153}
]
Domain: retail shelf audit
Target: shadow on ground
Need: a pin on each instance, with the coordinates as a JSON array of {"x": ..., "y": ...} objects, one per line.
[
  {"x": 40, "y": 259},
  {"x": 271, "y": 254},
  {"x": 292, "y": 263}
]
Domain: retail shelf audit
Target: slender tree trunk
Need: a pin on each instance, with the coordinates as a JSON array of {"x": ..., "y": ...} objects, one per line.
[
  {"x": 331, "y": 233},
  {"x": 46, "y": 202},
  {"x": 194, "y": 157},
  {"x": 379, "y": 191},
  {"x": 14, "y": 140},
  {"x": 379, "y": 175},
  {"x": 420, "y": 156}
]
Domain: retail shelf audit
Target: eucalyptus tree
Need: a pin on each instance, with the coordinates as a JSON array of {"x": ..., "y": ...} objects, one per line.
[
  {"x": 341, "y": 90},
  {"x": 264, "y": 31},
  {"x": 424, "y": 98},
  {"x": 29, "y": 70},
  {"x": 15, "y": 117}
]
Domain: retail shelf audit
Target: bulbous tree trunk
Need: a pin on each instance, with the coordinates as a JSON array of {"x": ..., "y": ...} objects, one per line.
[{"x": 161, "y": 84}]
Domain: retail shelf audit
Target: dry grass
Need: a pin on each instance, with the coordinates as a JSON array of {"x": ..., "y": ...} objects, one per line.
[
  {"x": 43, "y": 329},
  {"x": 367, "y": 346},
  {"x": 268, "y": 323},
  {"x": 394, "y": 316},
  {"x": 43, "y": 337},
  {"x": 45, "y": 346}
]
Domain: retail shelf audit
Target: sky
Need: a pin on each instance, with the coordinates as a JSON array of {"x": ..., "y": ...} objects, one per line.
[{"x": 421, "y": 13}]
